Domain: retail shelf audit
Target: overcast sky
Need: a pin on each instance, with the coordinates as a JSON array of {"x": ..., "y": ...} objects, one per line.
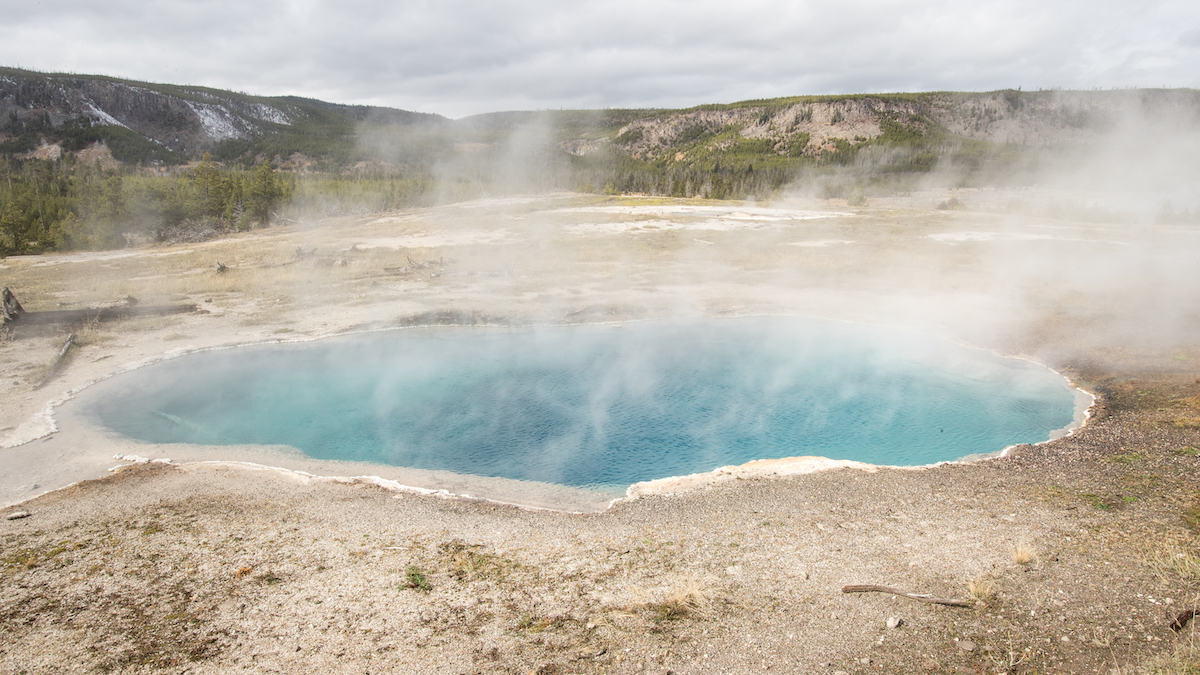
[{"x": 460, "y": 57}]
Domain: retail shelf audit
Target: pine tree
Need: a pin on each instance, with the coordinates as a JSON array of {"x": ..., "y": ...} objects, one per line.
[{"x": 265, "y": 192}]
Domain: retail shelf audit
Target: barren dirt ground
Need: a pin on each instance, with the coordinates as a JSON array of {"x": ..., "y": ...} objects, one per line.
[{"x": 1075, "y": 556}]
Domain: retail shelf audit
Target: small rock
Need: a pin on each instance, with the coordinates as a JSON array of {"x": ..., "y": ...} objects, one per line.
[
  {"x": 17, "y": 515},
  {"x": 967, "y": 646},
  {"x": 894, "y": 622},
  {"x": 865, "y": 661}
]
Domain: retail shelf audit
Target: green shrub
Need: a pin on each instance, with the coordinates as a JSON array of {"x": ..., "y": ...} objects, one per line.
[{"x": 415, "y": 578}]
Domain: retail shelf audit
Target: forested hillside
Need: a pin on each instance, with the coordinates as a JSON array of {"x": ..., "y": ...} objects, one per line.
[{"x": 94, "y": 162}]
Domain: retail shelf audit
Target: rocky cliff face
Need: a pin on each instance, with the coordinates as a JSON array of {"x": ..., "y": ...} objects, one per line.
[
  {"x": 817, "y": 125},
  {"x": 806, "y": 128},
  {"x": 189, "y": 121},
  {"x": 184, "y": 119}
]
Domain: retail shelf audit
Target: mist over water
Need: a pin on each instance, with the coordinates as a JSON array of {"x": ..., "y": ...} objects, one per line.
[{"x": 599, "y": 406}]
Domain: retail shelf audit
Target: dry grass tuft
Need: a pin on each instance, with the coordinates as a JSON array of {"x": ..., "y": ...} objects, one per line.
[
  {"x": 1006, "y": 660},
  {"x": 688, "y": 597},
  {"x": 1191, "y": 515},
  {"x": 1183, "y": 660},
  {"x": 1184, "y": 564},
  {"x": 467, "y": 562},
  {"x": 1191, "y": 402},
  {"x": 982, "y": 589},
  {"x": 1175, "y": 558},
  {"x": 1023, "y": 554}
]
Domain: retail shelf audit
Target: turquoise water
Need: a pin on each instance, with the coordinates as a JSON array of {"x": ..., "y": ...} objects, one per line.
[{"x": 600, "y": 406}]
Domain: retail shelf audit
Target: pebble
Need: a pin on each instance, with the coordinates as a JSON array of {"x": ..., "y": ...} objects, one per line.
[
  {"x": 894, "y": 622},
  {"x": 967, "y": 646},
  {"x": 17, "y": 515}
]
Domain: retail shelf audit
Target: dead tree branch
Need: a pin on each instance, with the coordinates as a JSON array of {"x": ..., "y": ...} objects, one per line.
[{"x": 871, "y": 588}]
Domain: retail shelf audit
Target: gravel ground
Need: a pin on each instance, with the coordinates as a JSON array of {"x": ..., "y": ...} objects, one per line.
[{"x": 1075, "y": 555}]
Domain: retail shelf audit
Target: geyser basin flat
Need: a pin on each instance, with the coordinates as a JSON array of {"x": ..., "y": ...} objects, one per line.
[{"x": 600, "y": 406}]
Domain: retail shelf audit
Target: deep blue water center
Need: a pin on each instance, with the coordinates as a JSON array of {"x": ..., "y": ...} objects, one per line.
[{"x": 600, "y": 406}]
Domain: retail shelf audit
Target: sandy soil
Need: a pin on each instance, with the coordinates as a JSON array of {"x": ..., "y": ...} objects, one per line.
[{"x": 1077, "y": 554}]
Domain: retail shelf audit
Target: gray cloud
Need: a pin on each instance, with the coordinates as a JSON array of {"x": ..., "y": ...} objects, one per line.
[{"x": 464, "y": 57}]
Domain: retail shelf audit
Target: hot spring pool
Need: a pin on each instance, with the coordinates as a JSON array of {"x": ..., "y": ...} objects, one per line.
[{"x": 599, "y": 407}]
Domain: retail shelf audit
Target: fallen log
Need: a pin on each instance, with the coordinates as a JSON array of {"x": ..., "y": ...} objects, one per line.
[
  {"x": 871, "y": 588},
  {"x": 62, "y": 354},
  {"x": 97, "y": 314},
  {"x": 16, "y": 316}
]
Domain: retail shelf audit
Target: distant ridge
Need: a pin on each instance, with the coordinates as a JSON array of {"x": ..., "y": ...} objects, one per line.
[
  {"x": 145, "y": 123},
  {"x": 173, "y": 122}
]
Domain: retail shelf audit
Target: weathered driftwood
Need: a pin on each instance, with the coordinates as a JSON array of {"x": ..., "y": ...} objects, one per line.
[
  {"x": 62, "y": 354},
  {"x": 871, "y": 588}
]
